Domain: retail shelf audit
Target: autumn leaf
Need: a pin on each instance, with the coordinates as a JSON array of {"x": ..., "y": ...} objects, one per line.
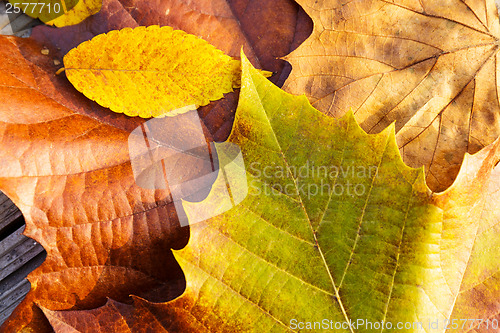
[
  {"x": 24, "y": 68},
  {"x": 142, "y": 316},
  {"x": 57, "y": 12},
  {"x": 69, "y": 171},
  {"x": 395, "y": 222},
  {"x": 474, "y": 195},
  {"x": 390, "y": 250},
  {"x": 344, "y": 231},
  {"x": 226, "y": 24},
  {"x": 151, "y": 72},
  {"x": 430, "y": 66}
]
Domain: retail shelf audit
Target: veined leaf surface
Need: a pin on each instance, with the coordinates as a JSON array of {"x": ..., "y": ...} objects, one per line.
[
  {"x": 367, "y": 241},
  {"x": 151, "y": 71},
  {"x": 289, "y": 255},
  {"x": 430, "y": 66}
]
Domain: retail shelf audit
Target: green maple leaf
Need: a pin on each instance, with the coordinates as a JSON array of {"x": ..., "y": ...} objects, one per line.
[{"x": 335, "y": 229}]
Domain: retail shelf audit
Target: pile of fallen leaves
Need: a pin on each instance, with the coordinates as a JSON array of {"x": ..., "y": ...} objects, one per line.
[{"x": 395, "y": 221}]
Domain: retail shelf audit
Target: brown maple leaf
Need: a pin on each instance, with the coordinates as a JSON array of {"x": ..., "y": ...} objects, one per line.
[
  {"x": 430, "y": 66},
  {"x": 114, "y": 316}
]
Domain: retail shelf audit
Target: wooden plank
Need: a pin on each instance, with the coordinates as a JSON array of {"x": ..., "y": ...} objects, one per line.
[
  {"x": 12, "y": 280},
  {"x": 13, "y": 295},
  {"x": 9, "y": 214},
  {"x": 11, "y": 241},
  {"x": 5, "y": 313},
  {"x": 14, "y": 259},
  {"x": 19, "y": 255},
  {"x": 18, "y": 24},
  {"x": 7, "y": 208},
  {"x": 14, "y": 287}
]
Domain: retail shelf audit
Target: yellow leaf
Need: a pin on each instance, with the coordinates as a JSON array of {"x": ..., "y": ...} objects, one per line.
[
  {"x": 151, "y": 71},
  {"x": 57, "y": 12},
  {"x": 82, "y": 10}
]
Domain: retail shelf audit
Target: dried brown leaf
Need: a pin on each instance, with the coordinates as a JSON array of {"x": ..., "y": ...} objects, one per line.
[{"x": 430, "y": 66}]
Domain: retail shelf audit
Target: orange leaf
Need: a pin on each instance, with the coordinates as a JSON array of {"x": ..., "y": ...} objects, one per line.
[{"x": 71, "y": 176}]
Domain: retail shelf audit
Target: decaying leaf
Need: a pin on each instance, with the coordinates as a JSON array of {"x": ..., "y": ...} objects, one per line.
[
  {"x": 226, "y": 24},
  {"x": 431, "y": 66},
  {"x": 69, "y": 171},
  {"x": 151, "y": 71},
  {"x": 335, "y": 225},
  {"x": 142, "y": 316},
  {"x": 60, "y": 13},
  {"x": 321, "y": 236}
]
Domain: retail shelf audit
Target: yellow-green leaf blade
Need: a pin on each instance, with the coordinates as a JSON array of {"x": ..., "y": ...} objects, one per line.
[
  {"x": 295, "y": 261},
  {"x": 292, "y": 253},
  {"x": 150, "y": 71},
  {"x": 78, "y": 13},
  {"x": 470, "y": 243}
]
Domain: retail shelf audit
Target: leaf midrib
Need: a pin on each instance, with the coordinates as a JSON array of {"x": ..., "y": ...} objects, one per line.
[
  {"x": 363, "y": 213},
  {"x": 301, "y": 203}
]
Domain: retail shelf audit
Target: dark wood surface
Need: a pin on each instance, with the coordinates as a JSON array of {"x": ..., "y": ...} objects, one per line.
[{"x": 19, "y": 255}]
